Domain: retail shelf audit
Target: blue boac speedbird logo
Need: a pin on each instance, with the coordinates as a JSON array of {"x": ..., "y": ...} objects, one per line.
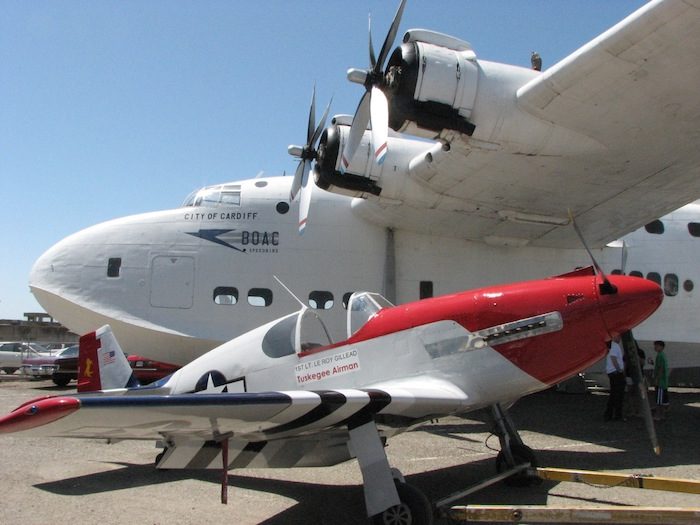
[
  {"x": 242, "y": 240},
  {"x": 222, "y": 237}
]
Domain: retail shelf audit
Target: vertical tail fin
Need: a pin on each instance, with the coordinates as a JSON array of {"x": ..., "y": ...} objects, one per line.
[{"x": 101, "y": 363}]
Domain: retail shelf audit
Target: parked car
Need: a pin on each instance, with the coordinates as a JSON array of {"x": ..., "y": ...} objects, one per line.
[
  {"x": 40, "y": 365},
  {"x": 145, "y": 370},
  {"x": 12, "y": 353},
  {"x": 66, "y": 366}
]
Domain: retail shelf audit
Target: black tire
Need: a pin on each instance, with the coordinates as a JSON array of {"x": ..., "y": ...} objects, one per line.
[
  {"x": 415, "y": 509},
  {"x": 521, "y": 454},
  {"x": 60, "y": 380},
  {"x": 9, "y": 370}
]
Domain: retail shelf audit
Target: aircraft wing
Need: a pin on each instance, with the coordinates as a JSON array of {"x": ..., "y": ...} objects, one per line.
[
  {"x": 628, "y": 106},
  {"x": 315, "y": 423}
]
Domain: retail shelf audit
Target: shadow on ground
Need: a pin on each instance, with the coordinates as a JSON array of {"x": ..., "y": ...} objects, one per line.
[{"x": 576, "y": 417}]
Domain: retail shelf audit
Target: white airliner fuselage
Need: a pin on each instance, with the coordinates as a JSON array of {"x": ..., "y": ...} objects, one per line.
[{"x": 176, "y": 283}]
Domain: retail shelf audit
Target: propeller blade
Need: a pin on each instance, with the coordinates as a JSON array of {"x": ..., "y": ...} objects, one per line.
[
  {"x": 379, "y": 114},
  {"x": 630, "y": 347},
  {"x": 372, "y": 58},
  {"x": 357, "y": 130},
  {"x": 305, "y": 200},
  {"x": 390, "y": 37},
  {"x": 597, "y": 267},
  {"x": 312, "y": 118},
  {"x": 298, "y": 178},
  {"x": 321, "y": 125}
]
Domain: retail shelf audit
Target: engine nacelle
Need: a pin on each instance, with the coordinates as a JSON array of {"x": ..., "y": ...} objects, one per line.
[
  {"x": 327, "y": 168},
  {"x": 432, "y": 81}
]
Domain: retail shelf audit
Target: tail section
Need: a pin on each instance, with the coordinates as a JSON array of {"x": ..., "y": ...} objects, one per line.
[{"x": 101, "y": 363}]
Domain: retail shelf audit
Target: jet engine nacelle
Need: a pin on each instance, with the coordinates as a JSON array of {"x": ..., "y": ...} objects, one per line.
[
  {"x": 431, "y": 82},
  {"x": 358, "y": 180}
]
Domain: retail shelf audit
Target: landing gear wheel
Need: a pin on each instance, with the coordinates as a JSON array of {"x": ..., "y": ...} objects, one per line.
[
  {"x": 60, "y": 380},
  {"x": 414, "y": 509},
  {"x": 521, "y": 454}
]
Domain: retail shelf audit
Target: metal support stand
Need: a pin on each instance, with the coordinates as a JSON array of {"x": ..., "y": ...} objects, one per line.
[{"x": 224, "y": 471}]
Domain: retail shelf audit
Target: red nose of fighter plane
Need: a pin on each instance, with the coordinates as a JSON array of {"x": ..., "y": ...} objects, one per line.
[{"x": 627, "y": 301}]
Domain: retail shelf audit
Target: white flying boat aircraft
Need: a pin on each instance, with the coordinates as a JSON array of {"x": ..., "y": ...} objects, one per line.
[{"x": 472, "y": 185}]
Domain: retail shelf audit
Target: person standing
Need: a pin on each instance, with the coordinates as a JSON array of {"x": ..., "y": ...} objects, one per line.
[
  {"x": 660, "y": 380},
  {"x": 615, "y": 368}
]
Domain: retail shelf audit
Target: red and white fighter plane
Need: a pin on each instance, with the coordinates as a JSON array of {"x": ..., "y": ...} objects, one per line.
[{"x": 284, "y": 395}]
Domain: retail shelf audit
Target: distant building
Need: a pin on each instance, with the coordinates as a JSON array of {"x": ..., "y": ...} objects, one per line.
[{"x": 36, "y": 327}]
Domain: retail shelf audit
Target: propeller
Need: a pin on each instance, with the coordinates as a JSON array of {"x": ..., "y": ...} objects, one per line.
[
  {"x": 629, "y": 344},
  {"x": 306, "y": 155},
  {"x": 606, "y": 287},
  {"x": 373, "y": 106}
]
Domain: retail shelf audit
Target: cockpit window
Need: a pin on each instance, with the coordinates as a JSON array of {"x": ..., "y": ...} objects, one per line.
[
  {"x": 362, "y": 307},
  {"x": 219, "y": 195}
]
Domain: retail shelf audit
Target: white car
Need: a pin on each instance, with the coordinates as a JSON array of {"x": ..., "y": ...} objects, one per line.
[{"x": 12, "y": 353}]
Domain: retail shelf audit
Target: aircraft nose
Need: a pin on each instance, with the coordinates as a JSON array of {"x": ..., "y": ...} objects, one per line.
[
  {"x": 43, "y": 277},
  {"x": 56, "y": 277},
  {"x": 636, "y": 299}
]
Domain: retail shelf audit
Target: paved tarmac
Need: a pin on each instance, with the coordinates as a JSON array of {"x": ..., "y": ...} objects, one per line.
[{"x": 87, "y": 481}]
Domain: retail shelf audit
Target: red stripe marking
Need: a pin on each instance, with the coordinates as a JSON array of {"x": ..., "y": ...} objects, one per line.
[{"x": 379, "y": 151}]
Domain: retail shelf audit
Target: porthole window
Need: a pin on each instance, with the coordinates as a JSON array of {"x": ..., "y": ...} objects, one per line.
[
  {"x": 655, "y": 277},
  {"x": 114, "y": 266},
  {"x": 260, "y": 297},
  {"x": 616, "y": 271},
  {"x": 671, "y": 284},
  {"x": 321, "y": 300},
  {"x": 688, "y": 285},
  {"x": 694, "y": 229},
  {"x": 260, "y": 183},
  {"x": 635, "y": 273},
  {"x": 282, "y": 207},
  {"x": 425, "y": 289},
  {"x": 225, "y": 295},
  {"x": 656, "y": 227}
]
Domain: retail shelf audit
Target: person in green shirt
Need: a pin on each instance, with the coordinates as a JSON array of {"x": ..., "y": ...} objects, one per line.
[{"x": 660, "y": 380}]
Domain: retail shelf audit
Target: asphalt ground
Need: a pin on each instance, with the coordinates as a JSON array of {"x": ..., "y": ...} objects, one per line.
[{"x": 87, "y": 481}]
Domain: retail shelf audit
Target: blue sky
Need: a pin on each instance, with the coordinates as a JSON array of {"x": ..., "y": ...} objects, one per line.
[{"x": 110, "y": 108}]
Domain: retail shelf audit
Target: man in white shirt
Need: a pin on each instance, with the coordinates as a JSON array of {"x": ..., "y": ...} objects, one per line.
[{"x": 615, "y": 368}]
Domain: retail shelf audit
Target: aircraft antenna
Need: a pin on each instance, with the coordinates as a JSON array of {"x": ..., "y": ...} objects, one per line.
[{"x": 289, "y": 291}]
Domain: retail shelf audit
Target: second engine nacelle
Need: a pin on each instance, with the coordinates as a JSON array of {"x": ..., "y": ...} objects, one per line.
[
  {"x": 432, "y": 81},
  {"x": 327, "y": 168}
]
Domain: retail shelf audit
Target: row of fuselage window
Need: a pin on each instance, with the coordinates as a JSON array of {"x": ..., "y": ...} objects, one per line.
[
  {"x": 670, "y": 282},
  {"x": 318, "y": 299},
  {"x": 262, "y": 297}
]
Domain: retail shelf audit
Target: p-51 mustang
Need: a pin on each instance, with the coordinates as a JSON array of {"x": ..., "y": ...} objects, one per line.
[{"x": 284, "y": 395}]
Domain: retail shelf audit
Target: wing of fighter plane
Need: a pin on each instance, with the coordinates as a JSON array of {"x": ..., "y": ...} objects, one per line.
[
  {"x": 610, "y": 132},
  {"x": 254, "y": 418}
]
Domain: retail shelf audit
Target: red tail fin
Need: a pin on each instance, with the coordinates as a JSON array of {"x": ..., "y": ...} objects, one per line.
[
  {"x": 101, "y": 363},
  {"x": 88, "y": 366}
]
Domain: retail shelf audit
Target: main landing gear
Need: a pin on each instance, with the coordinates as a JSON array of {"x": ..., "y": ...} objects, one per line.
[
  {"x": 513, "y": 451},
  {"x": 388, "y": 498}
]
